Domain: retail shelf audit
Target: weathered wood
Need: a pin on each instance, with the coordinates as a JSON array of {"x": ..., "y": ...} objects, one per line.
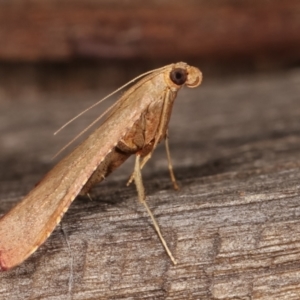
[
  {"x": 234, "y": 226},
  {"x": 63, "y": 30}
]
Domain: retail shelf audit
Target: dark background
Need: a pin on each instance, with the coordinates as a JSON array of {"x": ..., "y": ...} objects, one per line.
[{"x": 80, "y": 45}]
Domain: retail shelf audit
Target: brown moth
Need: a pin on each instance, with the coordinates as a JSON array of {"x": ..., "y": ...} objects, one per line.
[{"x": 137, "y": 122}]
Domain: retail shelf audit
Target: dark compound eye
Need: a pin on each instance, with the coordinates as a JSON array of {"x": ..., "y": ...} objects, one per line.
[{"x": 178, "y": 76}]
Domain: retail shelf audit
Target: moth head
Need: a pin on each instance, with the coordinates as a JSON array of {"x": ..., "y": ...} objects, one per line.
[{"x": 185, "y": 74}]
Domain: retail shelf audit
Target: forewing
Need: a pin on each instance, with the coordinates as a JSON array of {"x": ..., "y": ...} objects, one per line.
[{"x": 29, "y": 223}]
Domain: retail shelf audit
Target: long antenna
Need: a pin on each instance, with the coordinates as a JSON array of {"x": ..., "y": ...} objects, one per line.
[
  {"x": 101, "y": 116},
  {"x": 109, "y": 95},
  {"x": 84, "y": 130}
]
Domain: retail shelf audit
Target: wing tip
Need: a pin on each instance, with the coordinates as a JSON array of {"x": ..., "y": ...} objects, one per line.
[{"x": 3, "y": 265}]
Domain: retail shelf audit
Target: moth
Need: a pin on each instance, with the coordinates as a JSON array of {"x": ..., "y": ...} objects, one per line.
[{"x": 135, "y": 124}]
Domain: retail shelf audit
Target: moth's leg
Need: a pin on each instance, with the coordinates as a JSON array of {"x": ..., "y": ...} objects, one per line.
[
  {"x": 159, "y": 134},
  {"x": 148, "y": 156},
  {"x": 141, "y": 194},
  {"x": 153, "y": 146},
  {"x": 144, "y": 160},
  {"x": 137, "y": 176},
  {"x": 172, "y": 175},
  {"x": 89, "y": 196}
]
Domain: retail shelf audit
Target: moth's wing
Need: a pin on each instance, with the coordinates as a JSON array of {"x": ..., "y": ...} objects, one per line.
[{"x": 30, "y": 222}]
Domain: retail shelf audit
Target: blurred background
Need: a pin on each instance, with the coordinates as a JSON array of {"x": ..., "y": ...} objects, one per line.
[
  {"x": 57, "y": 57},
  {"x": 72, "y": 46}
]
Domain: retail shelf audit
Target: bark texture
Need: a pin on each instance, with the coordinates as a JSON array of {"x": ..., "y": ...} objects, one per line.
[{"x": 234, "y": 226}]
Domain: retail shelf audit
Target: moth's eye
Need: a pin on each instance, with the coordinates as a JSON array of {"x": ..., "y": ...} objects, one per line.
[{"x": 178, "y": 76}]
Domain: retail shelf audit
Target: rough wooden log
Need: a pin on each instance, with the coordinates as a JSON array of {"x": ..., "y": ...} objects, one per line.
[
  {"x": 234, "y": 226},
  {"x": 64, "y": 30}
]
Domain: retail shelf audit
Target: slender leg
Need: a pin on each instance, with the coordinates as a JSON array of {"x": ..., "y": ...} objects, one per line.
[
  {"x": 172, "y": 175},
  {"x": 137, "y": 176},
  {"x": 141, "y": 194},
  {"x": 147, "y": 157},
  {"x": 130, "y": 179},
  {"x": 144, "y": 160}
]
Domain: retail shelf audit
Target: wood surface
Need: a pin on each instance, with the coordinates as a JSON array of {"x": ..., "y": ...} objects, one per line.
[
  {"x": 256, "y": 32},
  {"x": 234, "y": 226}
]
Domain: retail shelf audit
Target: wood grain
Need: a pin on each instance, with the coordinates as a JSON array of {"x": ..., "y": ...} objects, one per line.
[{"x": 233, "y": 227}]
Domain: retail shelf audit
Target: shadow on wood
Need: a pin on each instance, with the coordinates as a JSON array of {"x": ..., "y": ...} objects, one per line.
[{"x": 234, "y": 226}]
